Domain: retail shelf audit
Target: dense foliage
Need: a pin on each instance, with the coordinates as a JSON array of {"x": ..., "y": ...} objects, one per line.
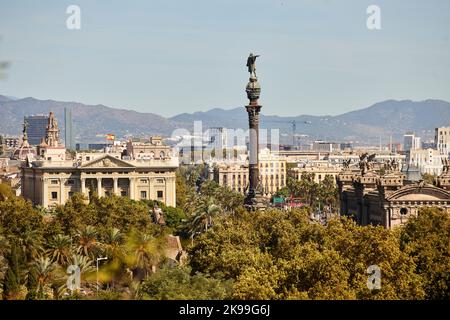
[
  {"x": 281, "y": 255},
  {"x": 232, "y": 253},
  {"x": 323, "y": 194}
]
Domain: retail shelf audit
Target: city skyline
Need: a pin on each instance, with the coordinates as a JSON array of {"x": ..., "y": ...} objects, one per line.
[{"x": 317, "y": 57}]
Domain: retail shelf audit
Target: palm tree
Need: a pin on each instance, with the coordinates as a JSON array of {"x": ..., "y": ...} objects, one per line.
[
  {"x": 113, "y": 243},
  {"x": 87, "y": 269},
  {"x": 87, "y": 241},
  {"x": 43, "y": 269},
  {"x": 85, "y": 264},
  {"x": 31, "y": 244},
  {"x": 203, "y": 218},
  {"x": 145, "y": 251},
  {"x": 60, "y": 249}
]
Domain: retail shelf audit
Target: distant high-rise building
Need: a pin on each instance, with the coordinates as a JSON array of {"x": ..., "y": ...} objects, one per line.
[
  {"x": 36, "y": 128},
  {"x": 442, "y": 140},
  {"x": 417, "y": 143},
  {"x": 410, "y": 143},
  {"x": 427, "y": 160},
  {"x": 68, "y": 130},
  {"x": 325, "y": 146},
  {"x": 218, "y": 138},
  {"x": 408, "y": 140}
]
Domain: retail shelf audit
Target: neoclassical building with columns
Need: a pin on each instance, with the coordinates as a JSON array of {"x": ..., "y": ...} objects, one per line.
[{"x": 51, "y": 179}]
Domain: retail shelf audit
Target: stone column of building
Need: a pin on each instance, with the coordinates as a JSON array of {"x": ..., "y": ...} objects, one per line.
[
  {"x": 174, "y": 192},
  {"x": 62, "y": 195},
  {"x": 83, "y": 186},
  {"x": 99, "y": 187},
  {"x": 116, "y": 186},
  {"x": 132, "y": 187},
  {"x": 45, "y": 192}
]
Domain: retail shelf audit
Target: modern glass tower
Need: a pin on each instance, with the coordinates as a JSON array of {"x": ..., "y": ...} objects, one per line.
[
  {"x": 68, "y": 129},
  {"x": 36, "y": 128}
]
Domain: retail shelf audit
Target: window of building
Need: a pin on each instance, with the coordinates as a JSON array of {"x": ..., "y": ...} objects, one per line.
[
  {"x": 143, "y": 194},
  {"x": 143, "y": 180},
  {"x": 159, "y": 194},
  {"x": 403, "y": 211},
  {"x": 88, "y": 158},
  {"x": 123, "y": 193},
  {"x": 70, "y": 182},
  {"x": 54, "y": 195},
  {"x": 160, "y": 180},
  {"x": 54, "y": 181}
]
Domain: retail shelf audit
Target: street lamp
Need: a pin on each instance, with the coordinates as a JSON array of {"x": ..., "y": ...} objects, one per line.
[{"x": 99, "y": 259}]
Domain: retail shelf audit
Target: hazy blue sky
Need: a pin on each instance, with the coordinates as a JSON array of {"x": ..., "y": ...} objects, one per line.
[{"x": 168, "y": 57}]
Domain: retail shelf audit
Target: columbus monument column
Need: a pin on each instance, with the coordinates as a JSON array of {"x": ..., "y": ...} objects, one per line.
[{"x": 254, "y": 200}]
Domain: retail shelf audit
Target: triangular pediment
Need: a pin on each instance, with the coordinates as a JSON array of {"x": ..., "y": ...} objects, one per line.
[{"x": 107, "y": 161}]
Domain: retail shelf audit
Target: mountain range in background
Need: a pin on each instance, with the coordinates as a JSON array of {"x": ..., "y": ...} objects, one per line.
[{"x": 92, "y": 122}]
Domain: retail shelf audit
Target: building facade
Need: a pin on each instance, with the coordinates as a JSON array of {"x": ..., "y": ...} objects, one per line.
[
  {"x": 442, "y": 140},
  {"x": 272, "y": 172},
  {"x": 389, "y": 200},
  {"x": 49, "y": 183},
  {"x": 410, "y": 142},
  {"x": 218, "y": 138},
  {"x": 325, "y": 146},
  {"x": 319, "y": 169},
  {"x": 50, "y": 178},
  {"x": 234, "y": 175},
  {"x": 147, "y": 149},
  {"x": 427, "y": 161},
  {"x": 11, "y": 143},
  {"x": 36, "y": 128}
]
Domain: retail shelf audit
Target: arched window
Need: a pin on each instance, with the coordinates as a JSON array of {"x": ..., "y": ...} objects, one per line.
[
  {"x": 403, "y": 211},
  {"x": 162, "y": 155}
]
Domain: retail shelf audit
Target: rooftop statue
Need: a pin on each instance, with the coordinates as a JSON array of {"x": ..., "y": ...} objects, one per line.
[
  {"x": 365, "y": 162},
  {"x": 346, "y": 164},
  {"x": 25, "y": 127},
  {"x": 251, "y": 64},
  {"x": 391, "y": 165}
]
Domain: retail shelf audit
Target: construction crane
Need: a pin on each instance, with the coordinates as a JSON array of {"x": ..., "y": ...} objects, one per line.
[{"x": 293, "y": 123}]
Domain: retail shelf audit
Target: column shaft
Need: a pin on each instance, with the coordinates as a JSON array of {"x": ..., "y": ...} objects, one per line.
[
  {"x": 132, "y": 187},
  {"x": 116, "y": 186},
  {"x": 44, "y": 200},
  {"x": 62, "y": 191},
  {"x": 99, "y": 187},
  {"x": 83, "y": 186}
]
